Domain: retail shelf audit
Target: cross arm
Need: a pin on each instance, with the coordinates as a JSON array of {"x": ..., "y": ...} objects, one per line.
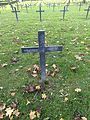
[
  {"x": 40, "y": 11},
  {"x": 87, "y": 9},
  {"x": 15, "y": 11},
  {"x": 53, "y": 48},
  {"x": 29, "y": 50}
]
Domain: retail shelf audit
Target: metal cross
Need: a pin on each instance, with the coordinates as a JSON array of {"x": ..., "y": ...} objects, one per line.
[
  {"x": 64, "y": 11},
  {"x": 15, "y": 11},
  {"x": 42, "y": 49},
  {"x": 80, "y": 5},
  {"x": 26, "y": 6},
  {"x": 87, "y": 11},
  {"x": 40, "y": 11},
  {"x": 54, "y": 5}
]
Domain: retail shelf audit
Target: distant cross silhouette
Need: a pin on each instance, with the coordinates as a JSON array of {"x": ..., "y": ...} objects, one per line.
[
  {"x": 42, "y": 49},
  {"x": 26, "y": 6},
  {"x": 87, "y": 11},
  {"x": 40, "y": 11},
  {"x": 15, "y": 11},
  {"x": 64, "y": 11},
  {"x": 54, "y": 5},
  {"x": 80, "y": 5}
]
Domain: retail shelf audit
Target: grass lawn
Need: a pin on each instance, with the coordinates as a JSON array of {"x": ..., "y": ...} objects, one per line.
[{"x": 60, "y": 98}]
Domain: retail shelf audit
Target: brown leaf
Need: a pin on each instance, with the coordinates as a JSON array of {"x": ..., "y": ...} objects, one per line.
[
  {"x": 73, "y": 68},
  {"x": 32, "y": 115},
  {"x": 4, "y": 65},
  {"x": 36, "y": 68},
  {"x": 13, "y": 94},
  {"x": 29, "y": 70},
  {"x": 2, "y": 106},
  {"x": 16, "y": 113},
  {"x": 44, "y": 96},
  {"x": 9, "y": 111},
  {"x": 30, "y": 89},
  {"x": 14, "y": 60},
  {"x": 14, "y": 105},
  {"x": 1, "y": 115}
]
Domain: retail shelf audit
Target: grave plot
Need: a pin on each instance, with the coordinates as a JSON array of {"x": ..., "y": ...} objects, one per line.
[{"x": 42, "y": 49}]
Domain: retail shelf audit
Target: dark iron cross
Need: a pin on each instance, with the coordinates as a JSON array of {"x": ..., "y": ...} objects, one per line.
[
  {"x": 87, "y": 11},
  {"x": 40, "y": 11},
  {"x": 26, "y": 6},
  {"x": 80, "y": 5},
  {"x": 64, "y": 11},
  {"x": 54, "y": 5},
  {"x": 15, "y": 11},
  {"x": 42, "y": 49}
]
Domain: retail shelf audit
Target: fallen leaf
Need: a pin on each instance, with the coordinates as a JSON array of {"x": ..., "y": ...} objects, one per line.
[
  {"x": 34, "y": 75},
  {"x": 38, "y": 87},
  {"x": 54, "y": 66},
  {"x": 77, "y": 90},
  {"x": 9, "y": 111},
  {"x": 4, "y": 65},
  {"x": 2, "y": 106},
  {"x": 13, "y": 94},
  {"x": 61, "y": 119},
  {"x": 28, "y": 102},
  {"x": 29, "y": 70},
  {"x": 16, "y": 113},
  {"x": 1, "y": 115},
  {"x": 78, "y": 57},
  {"x": 84, "y": 118},
  {"x": 73, "y": 68},
  {"x": 65, "y": 99},
  {"x": 14, "y": 60},
  {"x": 1, "y": 88},
  {"x": 48, "y": 118},
  {"x": 44, "y": 96},
  {"x": 30, "y": 89},
  {"x": 14, "y": 105},
  {"x": 32, "y": 115}
]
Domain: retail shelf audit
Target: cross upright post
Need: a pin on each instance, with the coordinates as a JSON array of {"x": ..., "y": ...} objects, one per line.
[
  {"x": 15, "y": 11},
  {"x": 64, "y": 11},
  {"x": 54, "y": 6},
  {"x": 26, "y": 6},
  {"x": 87, "y": 11},
  {"x": 40, "y": 11},
  {"x": 42, "y": 49}
]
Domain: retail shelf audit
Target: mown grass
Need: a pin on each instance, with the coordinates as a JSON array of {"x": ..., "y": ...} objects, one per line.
[{"x": 74, "y": 34}]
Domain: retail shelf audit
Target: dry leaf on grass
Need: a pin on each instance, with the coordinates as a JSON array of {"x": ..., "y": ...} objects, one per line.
[
  {"x": 16, "y": 113},
  {"x": 32, "y": 115},
  {"x": 1, "y": 115},
  {"x": 9, "y": 111},
  {"x": 2, "y": 106},
  {"x": 44, "y": 96}
]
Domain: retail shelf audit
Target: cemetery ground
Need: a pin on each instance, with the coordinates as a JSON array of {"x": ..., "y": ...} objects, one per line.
[{"x": 67, "y": 87}]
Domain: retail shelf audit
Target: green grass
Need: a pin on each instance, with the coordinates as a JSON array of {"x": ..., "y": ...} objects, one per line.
[{"x": 14, "y": 35}]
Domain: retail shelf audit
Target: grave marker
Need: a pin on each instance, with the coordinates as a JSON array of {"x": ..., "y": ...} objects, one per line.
[
  {"x": 64, "y": 11},
  {"x": 42, "y": 49},
  {"x": 54, "y": 5},
  {"x": 26, "y": 6},
  {"x": 80, "y": 5},
  {"x": 40, "y": 11},
  {"x": 87, "y": 11},
  {"x": 15, "y": 11}
]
